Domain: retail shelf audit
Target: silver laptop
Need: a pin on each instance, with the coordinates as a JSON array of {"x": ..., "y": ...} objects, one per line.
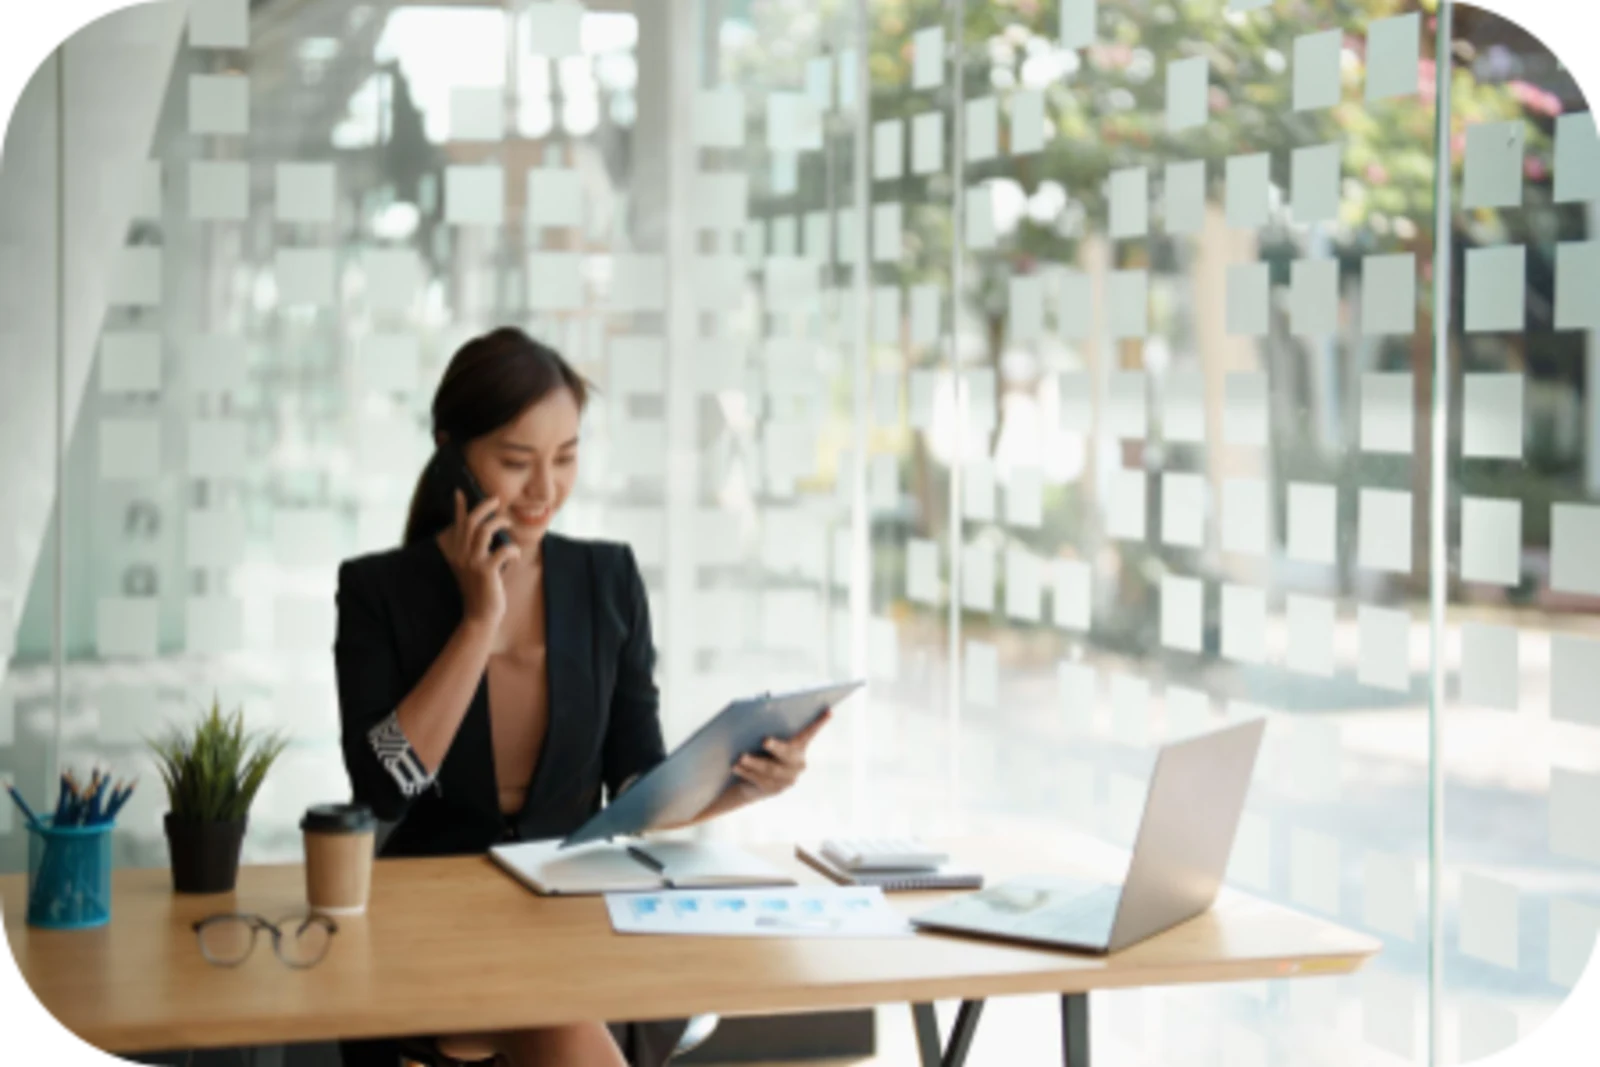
[{"x": 1191, "y": 814}]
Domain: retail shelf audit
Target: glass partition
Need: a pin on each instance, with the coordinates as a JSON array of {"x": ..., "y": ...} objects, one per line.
[
  {"x": 330, "y": 203},
  {"x": 1066, "y": 370},
  {"x": 1521, "y": 875}
]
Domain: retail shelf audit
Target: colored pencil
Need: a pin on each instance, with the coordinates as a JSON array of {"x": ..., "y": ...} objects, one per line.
[{"x": 27, "y": 812}]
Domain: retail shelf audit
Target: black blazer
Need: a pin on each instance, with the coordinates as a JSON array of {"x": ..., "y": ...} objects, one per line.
[{"x": 397, "y": 610}]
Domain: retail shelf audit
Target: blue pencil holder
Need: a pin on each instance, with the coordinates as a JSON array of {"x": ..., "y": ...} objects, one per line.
[{"x": 69, "y": 876}]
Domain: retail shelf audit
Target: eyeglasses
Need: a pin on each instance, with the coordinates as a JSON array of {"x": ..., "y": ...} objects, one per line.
[{"x": 300, "y": 939}]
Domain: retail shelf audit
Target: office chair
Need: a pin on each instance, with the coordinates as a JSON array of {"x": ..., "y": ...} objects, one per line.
[{"x": 425, "y": 1052}]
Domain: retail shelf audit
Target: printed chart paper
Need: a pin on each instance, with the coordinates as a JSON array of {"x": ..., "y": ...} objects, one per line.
[{"x": 819, "y": 911}]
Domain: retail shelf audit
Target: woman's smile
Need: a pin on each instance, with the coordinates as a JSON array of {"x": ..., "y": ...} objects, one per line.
[{"x": 525, "y": 516}]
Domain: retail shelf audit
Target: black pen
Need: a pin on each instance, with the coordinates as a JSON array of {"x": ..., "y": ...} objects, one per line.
[{"x": 645, "y": 858}]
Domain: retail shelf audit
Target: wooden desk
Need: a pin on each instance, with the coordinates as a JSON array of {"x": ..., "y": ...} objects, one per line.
[{"x": 455, "y": 945}]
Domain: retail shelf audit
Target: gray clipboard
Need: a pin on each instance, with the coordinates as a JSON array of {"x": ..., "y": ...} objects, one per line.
[{"x": 679, "y": 788}]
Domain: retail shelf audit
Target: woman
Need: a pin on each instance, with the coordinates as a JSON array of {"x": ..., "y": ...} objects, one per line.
[{"x": 491, "y": 694}]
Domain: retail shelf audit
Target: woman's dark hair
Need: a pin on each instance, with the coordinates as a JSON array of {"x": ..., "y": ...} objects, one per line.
[{"x": 490, "y": 381}]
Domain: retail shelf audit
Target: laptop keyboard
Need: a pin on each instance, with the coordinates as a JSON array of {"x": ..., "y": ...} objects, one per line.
[{"x": 1086, "y": 919}]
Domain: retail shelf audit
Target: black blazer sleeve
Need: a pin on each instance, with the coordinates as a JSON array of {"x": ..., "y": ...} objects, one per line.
[
  {"x": 633, "y": 742},
  {"x": 371, "y": 686}
]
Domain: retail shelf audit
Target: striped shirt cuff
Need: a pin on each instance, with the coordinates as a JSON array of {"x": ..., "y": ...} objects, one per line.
[{"x": 397, "y": 756}]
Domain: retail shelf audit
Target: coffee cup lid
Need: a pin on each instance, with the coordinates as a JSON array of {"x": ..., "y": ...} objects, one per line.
[{"x": 338, "y": 819}]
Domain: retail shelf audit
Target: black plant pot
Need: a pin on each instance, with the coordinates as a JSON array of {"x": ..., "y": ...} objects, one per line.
[{"x": 205, "y": 855}]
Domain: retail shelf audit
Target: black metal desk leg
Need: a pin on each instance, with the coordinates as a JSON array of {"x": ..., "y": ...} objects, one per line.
[
  {"x": 955, "y": 1053},
  {"x": 928, "y": 1051},
  {"x": 1075, "y": 1029}
]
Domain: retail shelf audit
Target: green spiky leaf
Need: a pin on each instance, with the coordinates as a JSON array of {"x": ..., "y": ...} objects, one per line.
[{"x": 213, "y": 770}]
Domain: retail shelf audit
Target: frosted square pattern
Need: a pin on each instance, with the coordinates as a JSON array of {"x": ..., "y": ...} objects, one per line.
[
  {"x": 1384, "y": 655},
  {"x": 1077, "y": 23},
  {"x": 555, "y": 198},
  {"x": 1496, "y": 289},
  {"x": 1183, "y": 411},
  {"x": 1129, "y": 295},
  {"x": 1187, "y": 93},
  {"x": 1183, "y": 506},
  {"x": 983, "y": 129},
  {"x": 1245, "y": 516},
  {"x": 1489, "y": 920},
  {"x": 927, "y": 143},
  {"x": 1130, "y": 202},
  {"x": 1577, "y": 167},
  {"x": 1314, "y": 182},
  {"x": 219, "y": 24},
  {"x": 1394, "y": 53},
  {"x": 1316, "y": 70},
  {"x": 1492, "y": 420},
  {"x": 1125, "y": 519},
  {"x": 1489, "y": 666},
  {"x": 1314, "y": 297},
  {"x": 1577, "y": 267},
  {"x": 1574, "y": 563},
  {"x": 1244, "y": 623},
  {"x": 1249, "y": 287},
  {"x": 1185, "y": 196},
  {"x": 1574, "y": 679},
  {"x": 1386, "y": 413},
  {"x": 1491, "y": 540},
  {"x": 1493, "y": 169},
  {"x": 1384, "y": 516},
  {"x": 1389, "y": 295},
  {"x": 1313, "y": 523},
  {"x": 1182, "y": 612},
  {"x": 1310, "y": 622},
  {"x": 1247, "y": 182},
  {"x": 1071, "y": 599},
  {"x": 1027, "y": 122},
  {"x": 219, "y": 191},
  {"x": 306, "y": 192},
  {"x": 1245, "y": 407},
  {"x": 927, "y": 64}
]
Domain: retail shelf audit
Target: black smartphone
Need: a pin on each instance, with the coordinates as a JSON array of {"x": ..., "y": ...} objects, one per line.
[{"x": 461, "y": 476}]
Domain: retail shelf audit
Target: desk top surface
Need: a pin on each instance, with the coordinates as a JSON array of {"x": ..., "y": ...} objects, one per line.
[{"x": 454, "y": 945}]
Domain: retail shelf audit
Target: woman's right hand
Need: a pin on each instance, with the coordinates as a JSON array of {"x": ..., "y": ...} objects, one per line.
[{"x": 466, "y": 547}]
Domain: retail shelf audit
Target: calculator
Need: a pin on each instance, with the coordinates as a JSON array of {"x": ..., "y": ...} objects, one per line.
[{"x": 883, "y": 854}]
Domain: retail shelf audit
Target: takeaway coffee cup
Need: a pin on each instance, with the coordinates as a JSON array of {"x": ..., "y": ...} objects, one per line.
[{"x": 338, "y": 839}]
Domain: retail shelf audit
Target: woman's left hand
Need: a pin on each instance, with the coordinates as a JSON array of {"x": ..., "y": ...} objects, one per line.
[{"x": 784, "y": 762}]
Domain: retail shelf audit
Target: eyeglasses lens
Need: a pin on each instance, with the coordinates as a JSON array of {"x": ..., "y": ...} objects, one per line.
[
  {"x": 304, "y": 940},
  {"x": 227, "y": 940}
]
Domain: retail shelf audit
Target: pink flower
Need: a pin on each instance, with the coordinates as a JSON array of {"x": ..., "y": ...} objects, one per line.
[
  {"x": 1427, "y": 80},
  {"x": 1536, "y": 99},
  {"x": 1112, "y": 56}
]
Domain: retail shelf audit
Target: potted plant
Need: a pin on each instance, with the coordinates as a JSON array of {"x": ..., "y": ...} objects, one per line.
[{"x": 212, "y": 773}]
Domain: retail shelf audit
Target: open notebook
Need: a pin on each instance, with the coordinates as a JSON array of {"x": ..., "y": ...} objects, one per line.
[{"x": 602, "y": 867}]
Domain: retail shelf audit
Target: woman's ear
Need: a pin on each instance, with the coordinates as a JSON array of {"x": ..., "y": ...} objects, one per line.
[{"x": 440, "y": 438}]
